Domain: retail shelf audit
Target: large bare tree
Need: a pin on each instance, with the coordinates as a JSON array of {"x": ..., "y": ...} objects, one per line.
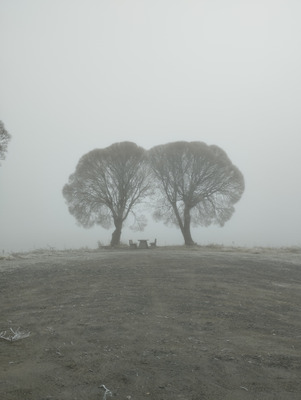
[
  {"x": 197, "y": 184},
  {"x": 4, "y": 139},
  {"x": 107, "y": 185}
]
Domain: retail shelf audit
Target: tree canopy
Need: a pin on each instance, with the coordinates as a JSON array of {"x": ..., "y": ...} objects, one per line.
[
  {"x": 107, "y": 186},
  {"x": 4, "y": 139},
  {"x": 197, "y": 184}
]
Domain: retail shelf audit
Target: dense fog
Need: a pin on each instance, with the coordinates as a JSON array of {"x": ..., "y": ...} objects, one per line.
[{"x": 78, "y": 75}]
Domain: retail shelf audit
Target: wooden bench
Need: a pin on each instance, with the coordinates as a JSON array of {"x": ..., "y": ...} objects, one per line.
[
  {"x": 132, "y": 244},
  {"x": 153, "y": 244}
]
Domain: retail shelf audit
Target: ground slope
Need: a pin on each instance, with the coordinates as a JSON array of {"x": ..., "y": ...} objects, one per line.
[{"x": 152, "y": 324}]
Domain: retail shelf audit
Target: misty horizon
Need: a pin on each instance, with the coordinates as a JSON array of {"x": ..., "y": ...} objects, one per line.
[{"x": 149, "y": 73}]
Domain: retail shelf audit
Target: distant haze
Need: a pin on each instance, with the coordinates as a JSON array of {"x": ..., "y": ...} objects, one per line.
[{"x": 78, "y": 75}]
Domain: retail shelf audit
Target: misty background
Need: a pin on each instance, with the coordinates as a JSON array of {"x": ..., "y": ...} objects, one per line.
[{"x": 78, "y": 75}]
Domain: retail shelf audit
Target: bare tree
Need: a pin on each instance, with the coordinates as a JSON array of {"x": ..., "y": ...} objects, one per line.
[
  {"x": 107, "y": 185},
  {"x": 4, "y": 139},
  {"x": 197, "y": 184}
]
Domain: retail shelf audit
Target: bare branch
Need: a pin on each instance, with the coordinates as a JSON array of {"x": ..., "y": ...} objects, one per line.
[
  {"x": 16, "y": 335},
  {"x": 5, "y": 137}
]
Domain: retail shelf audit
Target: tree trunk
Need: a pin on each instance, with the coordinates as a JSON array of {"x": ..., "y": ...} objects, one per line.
[
  {"x": 115, "y": 241},
  {"x": 186, "y": 228},
  {"x": 184, "y": 225},
  {"x": 187, "y": 237}
]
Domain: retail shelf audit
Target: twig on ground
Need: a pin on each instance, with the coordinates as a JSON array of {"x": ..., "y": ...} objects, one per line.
[
  {"x": 16, "y": 335},
  {"x": 107, "y": 392}
]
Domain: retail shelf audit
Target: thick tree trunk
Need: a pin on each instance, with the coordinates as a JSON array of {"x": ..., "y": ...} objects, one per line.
[
  {"x": 187, "y": 236},
  {"x": 184, "y": 225},
  {"x": 115, "y": 241},
  {"x": 186, "y": 228}
]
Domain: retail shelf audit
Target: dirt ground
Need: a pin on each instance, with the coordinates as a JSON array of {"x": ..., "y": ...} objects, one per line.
[{"x": 165, "y": 323}]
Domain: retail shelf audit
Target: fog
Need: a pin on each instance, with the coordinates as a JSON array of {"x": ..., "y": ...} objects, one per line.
[{"x": 78, "y": 75}]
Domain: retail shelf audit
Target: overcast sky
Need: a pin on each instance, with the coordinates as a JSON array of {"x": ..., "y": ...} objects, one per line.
[{"x": 82, "y": 74}]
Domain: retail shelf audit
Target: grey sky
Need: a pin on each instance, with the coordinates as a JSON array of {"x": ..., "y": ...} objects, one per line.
[{"x": 78, "y": 75}]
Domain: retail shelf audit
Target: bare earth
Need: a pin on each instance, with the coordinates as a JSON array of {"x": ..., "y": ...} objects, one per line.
[{"x": 173, "y": 323}]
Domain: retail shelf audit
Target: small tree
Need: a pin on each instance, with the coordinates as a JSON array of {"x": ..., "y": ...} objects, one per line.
[
  {"x": 197, "y": 185},
  {"x": 107, "y": 185},
  {"x": 4, "y": 139}
]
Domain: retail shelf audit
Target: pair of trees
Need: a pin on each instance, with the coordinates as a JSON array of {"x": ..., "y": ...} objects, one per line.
[
  {"x": 188, "y": 183},
  {"x": 4, "y": 139}
]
